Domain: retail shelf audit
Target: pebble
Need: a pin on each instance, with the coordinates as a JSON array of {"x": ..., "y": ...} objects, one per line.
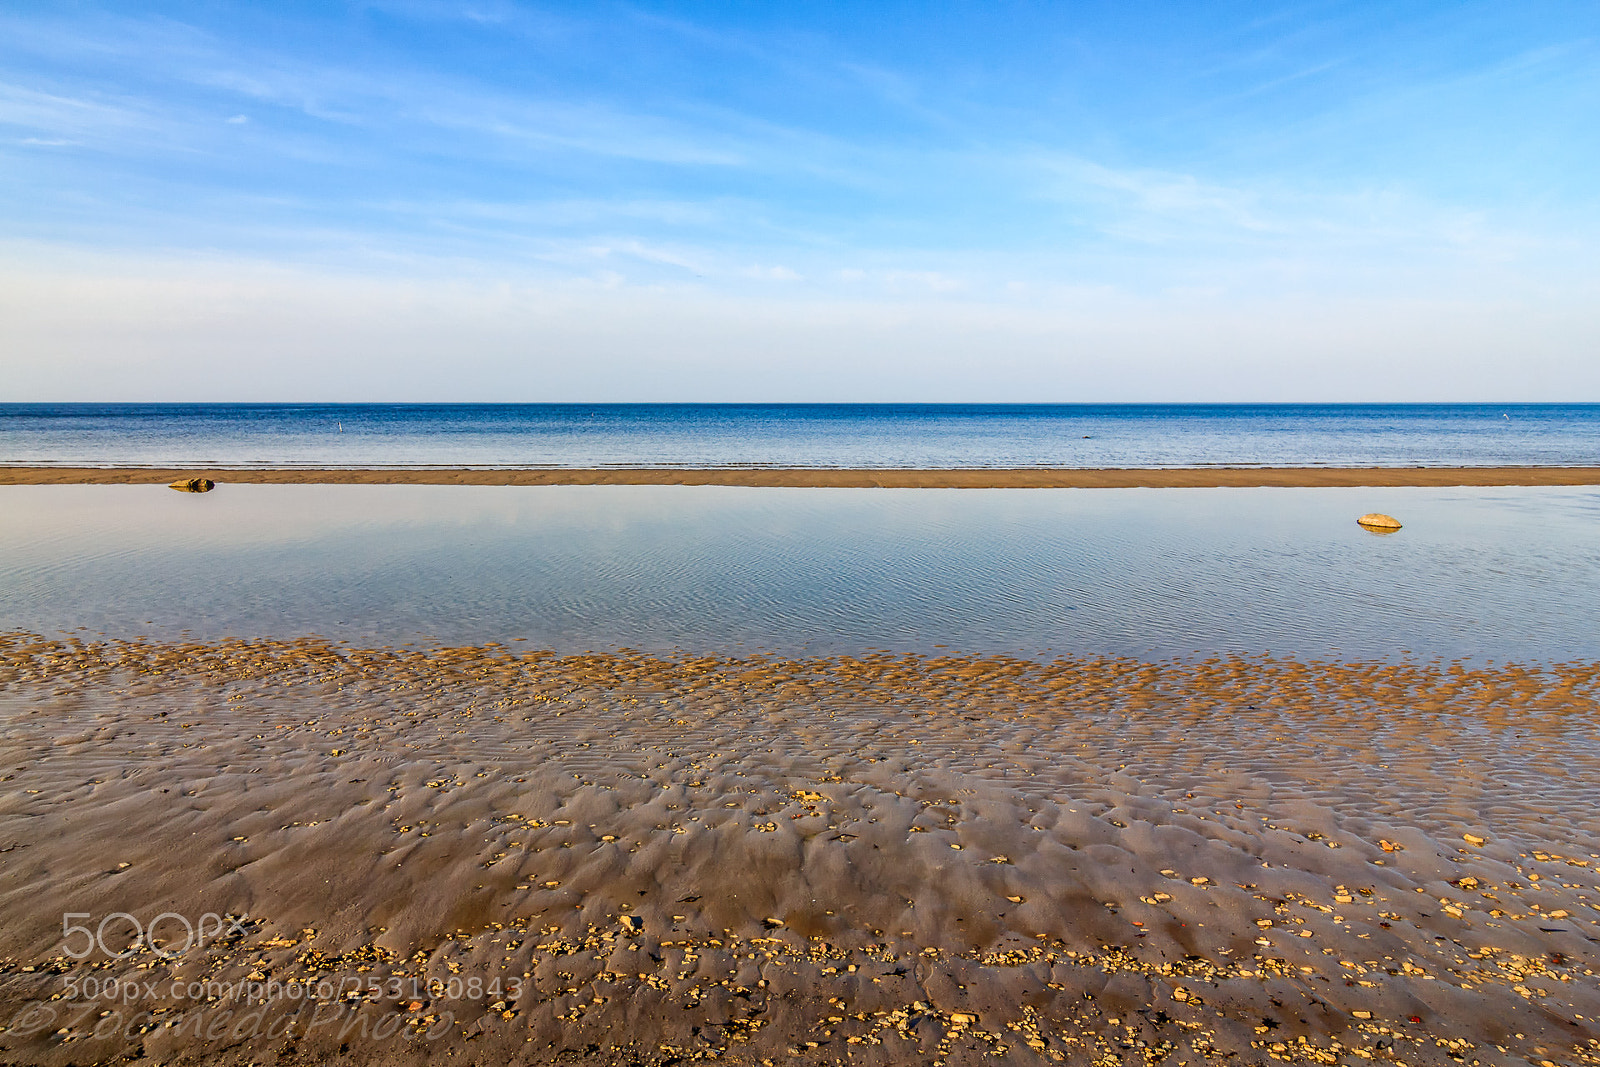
[{"x": 193, "y": 485}]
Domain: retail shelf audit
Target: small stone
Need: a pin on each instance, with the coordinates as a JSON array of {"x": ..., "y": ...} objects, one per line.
[
  {"x": 1378, "y": 521},
  {"x": 193, "y": 485},
  {"x": 1472, "y": 839}
]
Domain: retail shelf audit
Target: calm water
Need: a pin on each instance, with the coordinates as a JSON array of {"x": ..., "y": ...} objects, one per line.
[
  {"x": 1488, "y": 573},
  {"x": 1051, "y": 435}
]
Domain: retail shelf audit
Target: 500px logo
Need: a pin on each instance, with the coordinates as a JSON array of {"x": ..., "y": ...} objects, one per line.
[{"x": 126, "y": 931}]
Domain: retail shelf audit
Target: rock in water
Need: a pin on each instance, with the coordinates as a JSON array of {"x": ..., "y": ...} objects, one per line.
[
  {"x": 1376, "y": 521},
  {"x": 194, "y": 485}
]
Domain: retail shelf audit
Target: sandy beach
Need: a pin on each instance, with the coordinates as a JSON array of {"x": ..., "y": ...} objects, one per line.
[
  {"x": 490, "y": 855},
  {"x": 964, "y": 478},
  {"x": 799, "y": 535}
]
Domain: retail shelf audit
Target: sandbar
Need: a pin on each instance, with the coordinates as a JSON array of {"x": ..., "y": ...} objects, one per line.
[{"x": 887, "y": 478}]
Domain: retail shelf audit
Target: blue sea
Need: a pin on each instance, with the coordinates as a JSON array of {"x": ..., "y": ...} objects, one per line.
[{"x": 798, "y": 435}]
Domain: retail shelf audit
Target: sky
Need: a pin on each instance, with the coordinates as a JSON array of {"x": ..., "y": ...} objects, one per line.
[{"x": 483, "y": 200}]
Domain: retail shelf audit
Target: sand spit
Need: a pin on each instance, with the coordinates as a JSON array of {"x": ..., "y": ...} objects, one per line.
[
  {"x": 481, "y": 855},
  {"x": 1018, "y": 478}
]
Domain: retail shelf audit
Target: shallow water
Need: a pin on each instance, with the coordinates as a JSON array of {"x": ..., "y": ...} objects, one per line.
[{"x": 1488, "y": 573}]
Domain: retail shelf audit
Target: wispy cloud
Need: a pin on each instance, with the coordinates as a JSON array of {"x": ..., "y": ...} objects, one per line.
[
  {"x": 589, "y": 129},
  {"x": 1136, "y": 194},
  {"x": 773, "y": 273},
  {"x": 83, "y": 118},
  {"x": 355, "y": 95},
  {"x": 762, "y": 156}
]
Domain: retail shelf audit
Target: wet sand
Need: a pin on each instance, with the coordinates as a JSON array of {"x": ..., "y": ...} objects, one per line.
[
  {"x": 487, "y": 855},
  {"x": 968, "y": 478}
]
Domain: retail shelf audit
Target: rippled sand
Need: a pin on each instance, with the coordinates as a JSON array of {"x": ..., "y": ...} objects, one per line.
[{"x": 877, "y": 860}]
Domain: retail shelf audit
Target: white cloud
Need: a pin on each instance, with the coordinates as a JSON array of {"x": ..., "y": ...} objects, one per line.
[
  {"x": 924, "y": 280},
  {"x": 176, "y": 330},
  {"x": 772, "y": 274}
]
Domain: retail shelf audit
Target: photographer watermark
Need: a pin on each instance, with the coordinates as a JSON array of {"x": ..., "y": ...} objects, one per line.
[{"x": 233, "y": 1024}]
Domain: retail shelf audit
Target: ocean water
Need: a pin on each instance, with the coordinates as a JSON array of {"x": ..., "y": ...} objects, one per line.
[
  {"x": 1506, "y": 574},
  {"x": 757, "y": 435}
]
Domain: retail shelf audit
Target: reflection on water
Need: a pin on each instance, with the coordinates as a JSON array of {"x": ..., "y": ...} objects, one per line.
[{"x": 1494, "y": 573}]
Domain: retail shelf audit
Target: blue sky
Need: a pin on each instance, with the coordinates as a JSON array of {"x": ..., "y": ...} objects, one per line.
[{"x": 496, "y": 200}]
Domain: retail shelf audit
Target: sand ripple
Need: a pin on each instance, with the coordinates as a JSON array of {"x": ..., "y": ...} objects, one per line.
[{"x": 872, "y": 859}]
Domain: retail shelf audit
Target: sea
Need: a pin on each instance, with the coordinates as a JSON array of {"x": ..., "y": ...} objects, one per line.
[
  {"x": 799, "y": 435},
  {"x": 1481, "y": 574}
]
